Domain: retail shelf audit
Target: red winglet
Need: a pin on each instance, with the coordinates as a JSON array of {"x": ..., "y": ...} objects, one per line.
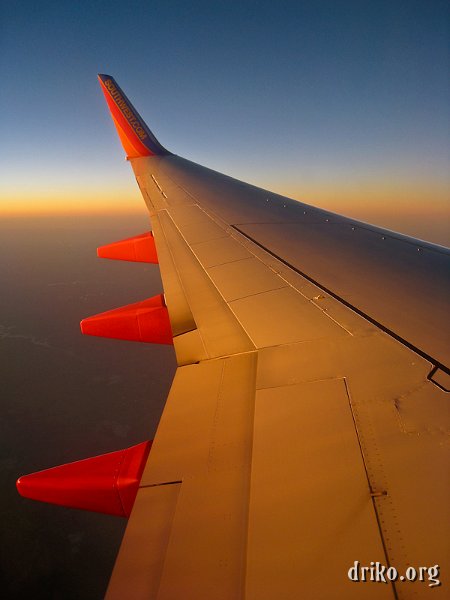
[
  {"x": 107, "y": 483},
  {"x": 146, "y": 321},
  {"x": 137, "y": 139},
  {"x": 140, "y": 248}
]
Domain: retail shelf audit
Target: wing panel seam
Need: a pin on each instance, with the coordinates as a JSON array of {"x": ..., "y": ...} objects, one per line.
[{"x": 356, "y": 310}]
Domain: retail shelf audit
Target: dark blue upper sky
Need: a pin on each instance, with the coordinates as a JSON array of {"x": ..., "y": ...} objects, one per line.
[{"x": 295, "y": 96}]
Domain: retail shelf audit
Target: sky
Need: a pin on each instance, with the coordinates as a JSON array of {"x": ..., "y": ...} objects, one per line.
[{"x": 341, "y": 104}]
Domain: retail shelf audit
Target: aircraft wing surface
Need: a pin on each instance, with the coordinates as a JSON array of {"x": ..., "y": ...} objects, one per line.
[{"x": 307, "y": 423}]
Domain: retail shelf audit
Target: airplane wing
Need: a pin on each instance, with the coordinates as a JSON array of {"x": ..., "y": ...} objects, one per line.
[{"x": 306, "y": 430}]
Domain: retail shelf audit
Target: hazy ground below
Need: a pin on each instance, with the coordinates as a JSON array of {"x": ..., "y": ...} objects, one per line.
[{"x": 64, "y": 396}]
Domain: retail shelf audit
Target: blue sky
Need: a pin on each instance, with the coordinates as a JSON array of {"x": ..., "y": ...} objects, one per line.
[{"x": 343, "y": 104}]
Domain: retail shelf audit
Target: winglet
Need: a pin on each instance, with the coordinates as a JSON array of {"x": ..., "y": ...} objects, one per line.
[{"x": 137, "y": 139}]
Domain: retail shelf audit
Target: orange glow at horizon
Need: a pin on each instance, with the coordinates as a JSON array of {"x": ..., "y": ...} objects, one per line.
[
  {"x": 415, "y": 196},
  {"x": 334, "y": 196},
  {"x": 63, "y": 201},
  {"x": 416, "y": 208}
]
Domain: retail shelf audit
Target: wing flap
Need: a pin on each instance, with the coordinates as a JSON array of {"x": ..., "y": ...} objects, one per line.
[
  {"x": 402, "y": 423},
  {"x": 218, "y": 329},
  {"x": 204, "y": 441},
  {"x": 308, "y": 494},
  {"x": 137, "y": 573}
]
